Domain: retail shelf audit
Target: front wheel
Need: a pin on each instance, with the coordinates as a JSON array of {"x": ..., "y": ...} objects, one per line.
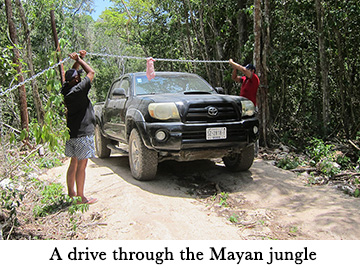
[
  {"x": 240, "y": 161},
  {"x": 143, "y": 161},
  {"x": 102, "y": 151}
]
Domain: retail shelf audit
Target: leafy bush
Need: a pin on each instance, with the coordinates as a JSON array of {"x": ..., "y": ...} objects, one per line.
[
  {"x": 288, "y": 163},
  {"x": 10, "y": 201},
  {"x": 318, "y": 150},
  {"x": 49, "y": 162},
  {"x": 54, "y": 200},
  {"x": 323, "y": 156},
  {"x": 53, "y": 132},
  {"x": 344, "y": 161},
  {"x": 328, "y": 167}
]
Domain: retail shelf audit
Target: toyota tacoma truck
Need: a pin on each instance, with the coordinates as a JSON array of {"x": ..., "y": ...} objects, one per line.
[{"x": 175, "y": 116}]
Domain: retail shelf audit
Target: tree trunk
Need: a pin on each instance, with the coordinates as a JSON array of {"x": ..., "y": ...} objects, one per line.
[
  {"x": 264, "y": 72},
  {"x": 260, "y": 59},
  {"x": 194, "y": 26},
  {"x": 206, "y": 48},
  {"x": 218, "y": 48},
  {"x": 22, "y": 91},
  {"x": 37, "y": 100},
  {"x": 241, "y": 25},
  {"x": 57, "y": 46},
  {"x": 257, "y": 34},
  {"x": 324, "y": 66},
  {"x": 188, "y": 34},
  {"x": 341, "y": 80}
]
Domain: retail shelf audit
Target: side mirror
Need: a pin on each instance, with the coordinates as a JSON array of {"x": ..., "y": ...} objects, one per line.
[
  {"x": 220, "y": 90},
  {"x": 119, "y": 92}
]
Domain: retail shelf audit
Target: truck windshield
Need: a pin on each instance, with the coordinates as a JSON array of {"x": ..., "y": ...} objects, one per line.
[{"x": 171, "y": 83}]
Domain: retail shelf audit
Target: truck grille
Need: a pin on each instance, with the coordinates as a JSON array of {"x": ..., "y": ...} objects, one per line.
[
  {"x": 234, "y": 134},
  {"x": 212, "y": 113}
]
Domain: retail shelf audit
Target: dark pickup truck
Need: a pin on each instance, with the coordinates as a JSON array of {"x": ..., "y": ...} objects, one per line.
[{"x": 175, "y": 116}]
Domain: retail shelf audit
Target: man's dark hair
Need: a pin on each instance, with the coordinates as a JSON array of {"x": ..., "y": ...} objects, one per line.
[
  {"x": 71, "y": 74},
  {"x": 251, "y": 67}
]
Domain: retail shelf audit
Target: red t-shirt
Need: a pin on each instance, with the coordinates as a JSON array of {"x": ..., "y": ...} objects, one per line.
[{"x": 249, "y": 87}]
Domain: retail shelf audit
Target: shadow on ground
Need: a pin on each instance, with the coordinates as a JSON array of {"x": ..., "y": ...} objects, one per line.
[{"x": 195, "y": 179}]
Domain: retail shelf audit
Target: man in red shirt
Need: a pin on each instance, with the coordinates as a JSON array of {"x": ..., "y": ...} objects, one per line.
[{"x": 249, "y": 83}]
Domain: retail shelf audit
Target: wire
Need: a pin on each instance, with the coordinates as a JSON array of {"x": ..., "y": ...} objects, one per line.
[
  {"x": 2, "y": 93},
  {"x": 32, "y": 78}
]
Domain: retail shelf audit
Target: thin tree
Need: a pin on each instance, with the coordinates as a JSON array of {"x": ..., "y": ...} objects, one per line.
[
  {"x": 57, "y": 46},
  {"x": 29, "y": 52},
  {"x": 260, "y": 62},
  {"x": 324, "y": 66},
  {"x": 16, "y": 59}
]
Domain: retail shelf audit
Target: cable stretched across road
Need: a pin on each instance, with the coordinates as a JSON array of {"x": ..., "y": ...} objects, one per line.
[{"x": 2, "y": 93}]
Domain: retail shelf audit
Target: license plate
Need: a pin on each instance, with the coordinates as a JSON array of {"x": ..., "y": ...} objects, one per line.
[{"x": 216, "y": 133}]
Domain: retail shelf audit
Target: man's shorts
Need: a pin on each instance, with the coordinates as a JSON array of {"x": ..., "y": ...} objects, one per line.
[{"x": 81, "y": 148}]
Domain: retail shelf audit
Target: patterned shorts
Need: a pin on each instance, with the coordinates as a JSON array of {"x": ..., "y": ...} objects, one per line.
[{"x": 81, "y": 148}]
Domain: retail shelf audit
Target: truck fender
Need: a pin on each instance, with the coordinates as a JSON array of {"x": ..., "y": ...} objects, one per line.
[
  {"x": 98, "y": 108},
  {"x": 135, "y": 119}
]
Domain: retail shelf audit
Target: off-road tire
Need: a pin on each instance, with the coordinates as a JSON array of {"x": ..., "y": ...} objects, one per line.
[
  {"x": 102, "y": 151},
  {"x": 143, "y": 161},
  {"x": 240, "y": 161}
]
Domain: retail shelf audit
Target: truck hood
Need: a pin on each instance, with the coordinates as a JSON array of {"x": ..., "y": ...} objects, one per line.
[
  {"x": 195, "y": 106},
  {"x": 186, "y": 98}
]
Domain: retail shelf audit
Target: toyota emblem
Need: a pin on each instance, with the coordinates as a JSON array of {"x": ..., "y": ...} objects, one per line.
[{"x": 212, "y": 111}]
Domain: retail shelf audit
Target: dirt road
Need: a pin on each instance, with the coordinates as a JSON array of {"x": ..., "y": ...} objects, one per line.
[{"x": 263, "y": 203}]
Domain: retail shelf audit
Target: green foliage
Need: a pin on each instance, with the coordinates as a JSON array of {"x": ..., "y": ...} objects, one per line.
[
  {"x": 53, "y": 132},
  {"x": 49, "y": 163},
  {"x": 318, "y": 150},
  {"x": 326, "y": 158},
  {"x": 288, "y": 163},
  {"x": 41, "y": 198},
  {"x": 7, "y": 70},
  {"x": 295, "y": 96},
  {"x": 223, "y": 199},
  {"x": 50, "y": 133},
  {"x": 344, "y": 161},
  {"x": 323, "y": 156},
  {"x": 234, "y": 218},
  {"x": 328, "y": 167},
  {"x": 10, "y": 201},
  {"x": 53, "y": 200}
]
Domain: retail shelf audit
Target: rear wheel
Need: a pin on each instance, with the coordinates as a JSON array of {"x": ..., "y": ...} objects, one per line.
[
  {"x": 240, "y": 161},
  {"x": 102, "y": 151},
  {"x": 143, "y": 161}
]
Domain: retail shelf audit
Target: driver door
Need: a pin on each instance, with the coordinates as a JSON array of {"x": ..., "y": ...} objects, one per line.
[{"x": 115, "y": 109}]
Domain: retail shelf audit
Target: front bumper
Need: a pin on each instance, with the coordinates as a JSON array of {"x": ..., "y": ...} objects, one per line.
[{"x": 192, "y": 137}]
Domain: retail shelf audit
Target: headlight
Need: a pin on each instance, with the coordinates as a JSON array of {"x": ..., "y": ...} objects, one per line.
[
  {"x": 248, "y": 108},
  {"x": 163, "y": 111}
]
